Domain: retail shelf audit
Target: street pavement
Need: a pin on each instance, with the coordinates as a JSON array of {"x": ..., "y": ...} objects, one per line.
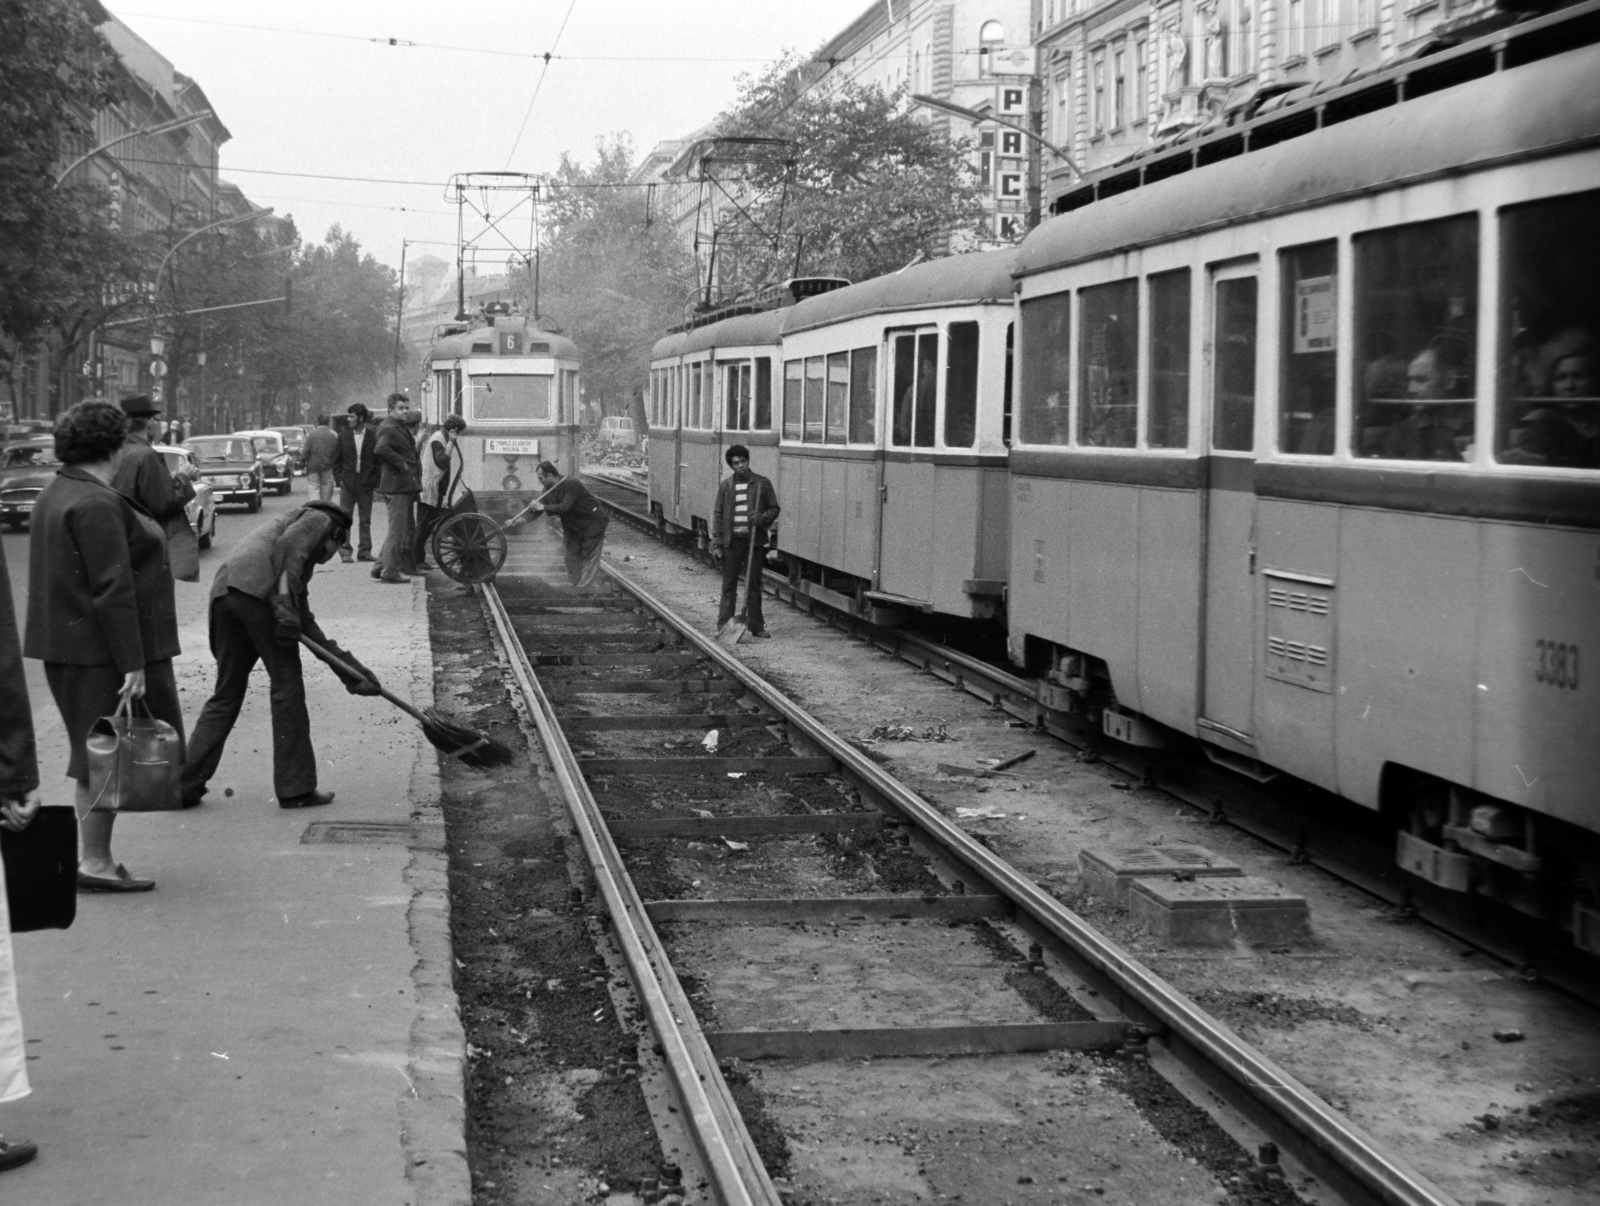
[{"x": 275, "y": 1023}]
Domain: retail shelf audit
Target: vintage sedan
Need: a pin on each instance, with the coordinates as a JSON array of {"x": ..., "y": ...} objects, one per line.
[
  {"x": 294, "y": 443},
  {"x": 201, "y": 510},
  {"x": 26, "y": 467},
  {"x": 277, "y": 462},
  {"x": 229, "y": 464}
]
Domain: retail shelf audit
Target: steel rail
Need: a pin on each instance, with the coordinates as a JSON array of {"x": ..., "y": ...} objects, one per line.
[
  {"x": 1352, "y": 1163},
  {"x": 735, "y": 1170}
]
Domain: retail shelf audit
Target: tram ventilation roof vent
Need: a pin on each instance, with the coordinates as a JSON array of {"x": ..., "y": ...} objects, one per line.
[
  {"x": 538, "y": 349},
  {"x": 482, "y": 347}
]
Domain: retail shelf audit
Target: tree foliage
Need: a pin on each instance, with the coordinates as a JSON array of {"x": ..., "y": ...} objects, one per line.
[
  {"x": 53, "y": 76},
  {"x": 874, "y": 186},
  {"x": 613, "y": 280}
]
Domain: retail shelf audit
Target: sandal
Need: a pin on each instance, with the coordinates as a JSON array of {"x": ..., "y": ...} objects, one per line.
[{"x": 16, "y": 1152}]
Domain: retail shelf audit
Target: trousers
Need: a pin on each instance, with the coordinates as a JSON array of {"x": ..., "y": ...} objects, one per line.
[
  {"x": 396, "y": 555},
  {"x": 353, "y": 501},
  {"x": 243, "y": 632},
  {"x": 428, "y": 518},
  {"x": 322, "y": 483},
  {"x": 734, "y": 559}
]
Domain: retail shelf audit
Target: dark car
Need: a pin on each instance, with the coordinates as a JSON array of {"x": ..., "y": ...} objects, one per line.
[
  {"x": 277, "y": 465},
  {"x": 26, "y": 467},
  {"x": 229, "y": 463},
  {"x": 294, "y": 443}
]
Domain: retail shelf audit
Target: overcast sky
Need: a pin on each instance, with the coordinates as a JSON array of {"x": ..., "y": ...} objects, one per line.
[{"x": 314, "y": 87}]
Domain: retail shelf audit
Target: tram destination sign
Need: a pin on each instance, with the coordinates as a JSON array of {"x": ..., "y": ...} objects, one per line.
[{"x": 510, "y": 447}]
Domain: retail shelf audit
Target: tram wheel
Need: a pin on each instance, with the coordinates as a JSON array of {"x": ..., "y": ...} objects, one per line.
[{"x": 469, "y": 547}]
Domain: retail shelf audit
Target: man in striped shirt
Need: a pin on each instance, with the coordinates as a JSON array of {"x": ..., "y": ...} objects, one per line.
[{"x": 747, "y": 506}]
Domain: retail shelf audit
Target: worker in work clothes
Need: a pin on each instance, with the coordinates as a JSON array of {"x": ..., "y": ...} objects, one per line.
[
  {"x": 259, "y": 608},
  {"x": 583, "y": 522},
  {"x": 747, "y": 506}
]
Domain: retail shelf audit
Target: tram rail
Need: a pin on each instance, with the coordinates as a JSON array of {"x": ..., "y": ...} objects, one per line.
[
  {"x": 1148, "y": 1010},
  {"x": 1258, "y": 809}
]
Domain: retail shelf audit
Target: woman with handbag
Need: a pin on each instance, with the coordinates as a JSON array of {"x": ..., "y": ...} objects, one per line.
[
  {"x": 101, "y": 614},
  {"x": 19, "y": 802}
]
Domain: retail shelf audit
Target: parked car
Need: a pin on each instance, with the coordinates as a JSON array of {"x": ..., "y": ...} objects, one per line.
[
  {"x": 24, "y": 429},
  {"x": 294, "y": 442},
  {"x": 617, "y": 431},
  {"x": 230, "y": 465},
  {"x": 277, "y": 464},
  {"x": 26, "y": 467},
  {"x": 201, "y": 510}
]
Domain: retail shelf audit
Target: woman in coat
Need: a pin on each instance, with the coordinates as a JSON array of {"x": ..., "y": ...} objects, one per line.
[{"x": 101, "y": 614}]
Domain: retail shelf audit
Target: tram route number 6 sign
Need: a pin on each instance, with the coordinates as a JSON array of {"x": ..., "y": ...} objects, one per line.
[{"x": 510, "y": 447}]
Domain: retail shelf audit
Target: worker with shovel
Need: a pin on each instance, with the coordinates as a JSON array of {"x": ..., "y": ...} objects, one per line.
[
  {"x": 583, "y": 522},
  {"x": 747, "y": 506},
  {"x": 259, "y": 610}
]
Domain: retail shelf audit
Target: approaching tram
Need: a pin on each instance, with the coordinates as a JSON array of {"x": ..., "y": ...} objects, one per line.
[
  {"x": 517, "y": 388},
  {"x": 1307, "y": 457}
]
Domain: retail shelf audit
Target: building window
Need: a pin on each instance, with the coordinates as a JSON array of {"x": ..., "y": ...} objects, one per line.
[
  {"x": 986, "y": 169},
  {"x": 1296, "y": 42},
  {"x": 1141, "y": 79},
  {"x": 1328, "y": 24},
  {"x": 1247, "y": 44},
  {"x": 1063, "y": 94},
  {"x": 1098, "y": 92},
  {"x": 1119, "y": 89}
]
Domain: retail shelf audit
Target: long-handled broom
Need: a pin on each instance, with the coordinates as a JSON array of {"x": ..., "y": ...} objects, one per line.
[
  {"x": 733, "y": 631},
  {"x": 475, "y": 748}
]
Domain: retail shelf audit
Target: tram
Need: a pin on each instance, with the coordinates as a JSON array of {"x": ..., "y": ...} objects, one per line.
[
  {"x": 1306, "y": 469},
  {"x": 892, "y": 454},
  {"x": 517, "y": 388}
]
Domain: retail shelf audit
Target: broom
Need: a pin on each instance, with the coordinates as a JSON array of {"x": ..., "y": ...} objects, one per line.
[
  {"x": 733, "y": 631},
  {"x": 477, "y": 749}
]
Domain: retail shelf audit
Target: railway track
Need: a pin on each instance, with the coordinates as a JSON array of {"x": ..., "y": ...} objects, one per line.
[
  {"x": 658, "y": 738},
  {"x": 1311, "y": 826}
]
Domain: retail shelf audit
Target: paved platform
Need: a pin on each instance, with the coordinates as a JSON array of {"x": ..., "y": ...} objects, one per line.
[{"x": 275, "y": 1023}]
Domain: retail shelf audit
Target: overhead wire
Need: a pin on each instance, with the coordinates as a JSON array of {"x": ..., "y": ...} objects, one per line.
[{"x": 543, "y": 71}]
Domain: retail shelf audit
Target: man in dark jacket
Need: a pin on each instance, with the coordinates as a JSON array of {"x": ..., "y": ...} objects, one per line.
[
  {"x": 746, "y": 507},
  {"x": 356, "y": 468},
  {"x": 319, "y": 455},
  {"x": 143, "y": 476},
  {"x": 400, "y": 482},
  {"x": 583, "y": 522},
  {"x": 260, "y": 605}
]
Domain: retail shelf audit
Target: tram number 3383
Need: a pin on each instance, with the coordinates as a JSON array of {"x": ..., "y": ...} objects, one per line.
[{"x": 1558, "y": 664}]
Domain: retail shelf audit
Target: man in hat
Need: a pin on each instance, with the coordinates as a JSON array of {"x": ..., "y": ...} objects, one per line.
[
  {"x": 260, "y": 606},
  {"x": 142, "y": 473}
]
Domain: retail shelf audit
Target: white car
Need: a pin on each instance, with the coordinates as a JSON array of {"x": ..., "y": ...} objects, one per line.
[
  {"x": 617, "y": 431},
  {"x": 202, "y": 508}
]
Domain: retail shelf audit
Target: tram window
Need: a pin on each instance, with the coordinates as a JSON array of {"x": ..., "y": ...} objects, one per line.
[
  {"x": 511, "y": 396},
  {"x": 1108, "y": 353},
  {"x": 961, "y": 386},
  {"x": 1046, "y": 369},
  {"x": 926, "y": 424},
  {"x": 838, "y": 404},
  {"x": 1169, "y": 360},
  {"x": 1308, "y": 353},
  {"x": 793, "y": 425},
  {"x": 1549, "y": 411},
  {"x": 901, "y": 392},
  {"x": 1233, "y": 385},
  {"x": 864, "y": 396},
  {"x": 1416, "y": 327},
  {"x": 736, "y": 396},
  {"x": 763, "y": 415},
  {"x": 814, "y": 399}
]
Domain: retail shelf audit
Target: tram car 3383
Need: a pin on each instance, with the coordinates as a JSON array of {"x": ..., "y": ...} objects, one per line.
[
  {"x": 1306, "y": 467},
  {"x": 517, "y": 388}
]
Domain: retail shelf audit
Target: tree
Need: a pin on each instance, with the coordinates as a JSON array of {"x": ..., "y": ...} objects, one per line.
[
  {"x": 612, "y": 278},
  {"x": 873, "y": 186},
  {"x": 53, "y": 76}
]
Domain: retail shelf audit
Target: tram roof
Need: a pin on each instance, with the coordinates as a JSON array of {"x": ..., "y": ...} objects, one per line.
[
  {"x": 742, "y": 330},
  {"x": 480, "y": 342},
  {"x": 1535, "y": 109},
  {"x": 979, "y": 276}
]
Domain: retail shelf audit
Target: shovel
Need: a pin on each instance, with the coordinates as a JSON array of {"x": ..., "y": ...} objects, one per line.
[{"x": 733, "y": 631}]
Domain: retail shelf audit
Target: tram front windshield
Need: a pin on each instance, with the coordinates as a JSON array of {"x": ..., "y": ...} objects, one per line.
[{"x": 523, "y": 396}]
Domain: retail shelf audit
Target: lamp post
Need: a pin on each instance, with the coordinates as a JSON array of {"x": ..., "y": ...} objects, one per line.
[
  {"x": 155, "y": 291},
  {"x": 165, "y": 127}
]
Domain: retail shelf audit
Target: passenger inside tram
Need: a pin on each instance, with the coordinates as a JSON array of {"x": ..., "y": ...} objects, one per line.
[
  {"x": 1560, "y": 420},
  {"x": 1436, "y": 423}
]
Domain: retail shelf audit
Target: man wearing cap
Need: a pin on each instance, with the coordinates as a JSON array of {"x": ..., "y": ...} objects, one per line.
[
  {"x": 142, "y": 472},
  {"x": 260, "y": 606}
]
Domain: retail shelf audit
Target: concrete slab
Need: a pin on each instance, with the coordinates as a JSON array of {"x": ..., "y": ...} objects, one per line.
[
  {"x": 1109, "y": 872},
  {"x": 1219, "y": 911},
  {"x": 275, "y": 1022}
]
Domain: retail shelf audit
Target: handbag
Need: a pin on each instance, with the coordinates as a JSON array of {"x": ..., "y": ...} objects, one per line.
[
  {"x": 41, "y": 866},
  {"x": 183, "y": 549},
  {"x": 134, "y": 761}
]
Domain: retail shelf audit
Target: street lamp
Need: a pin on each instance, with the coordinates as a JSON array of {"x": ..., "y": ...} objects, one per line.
[
  {"x": 157, "y": 346},
  {"x": 155, "y": 292},
  {"x": 165, "y": 127}
]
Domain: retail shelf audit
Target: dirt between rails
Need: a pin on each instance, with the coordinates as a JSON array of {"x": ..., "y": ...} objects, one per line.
[{"x": 1388, "y": 1021}]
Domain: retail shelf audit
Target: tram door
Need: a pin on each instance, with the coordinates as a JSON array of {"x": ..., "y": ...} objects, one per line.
[
  {"x": 908, "y": 517},
  {"x": 1229, "y": 635}
]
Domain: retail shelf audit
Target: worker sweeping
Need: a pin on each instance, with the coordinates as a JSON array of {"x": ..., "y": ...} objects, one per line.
[
  {"x": 583, "y": 522},
  {"x": 746, "y": 507},
  {"x": 260, "y": 607}
]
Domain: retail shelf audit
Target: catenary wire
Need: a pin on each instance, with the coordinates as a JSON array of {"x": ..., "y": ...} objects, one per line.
[{"x": 543, "y": 71}]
